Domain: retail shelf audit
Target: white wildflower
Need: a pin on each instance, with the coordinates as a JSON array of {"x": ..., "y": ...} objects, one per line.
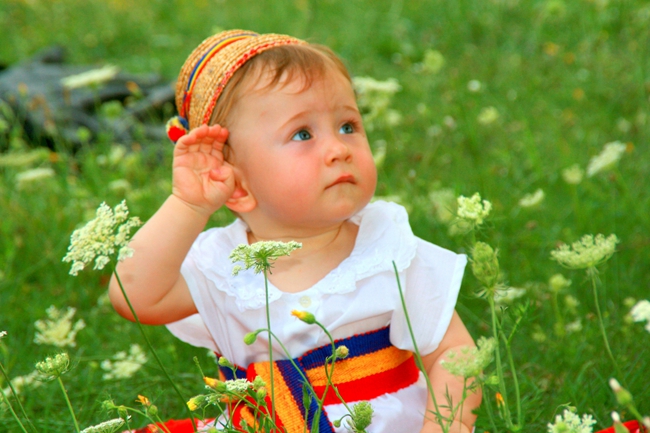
[
  {"x": 488, "y": 115},
  {"x": 92, "y": 77},
  {"x": 53, "y": 366},
  {"x": 33, "y": 175},
  {"x": 109, "y": 426},
  {"x": 102, "y": 237},
  {"x": 572, "y": 327},
  {"x": 21, "y": 382},
  {"x": 473, "y": 210},
  {"x": 588, "y": 252},
  {"x": 374, "y": 99},
  {"x": 532, "y": 200},
  {"x": 123, "y": 365},
  {"x": 3, "y": 334},
  {"x": 237, "y": 386},
  {"x": 569, "y": 422},
  {"x": 474, "y": 86},
  {"x": 606, "y": 159},
  {"x": 261, "y": 255},
  {"x": 23, "y": 159},
  {"x": 573, "y": 175},
  {"x": 58, "y": 329},
  {"x": 558, "y": 283},
  {"x": 507, "y": 295},
  {"x": 470, "y": 362},
  {"x": 433, "y": 61},
  {"x": 641, "y": 313}
]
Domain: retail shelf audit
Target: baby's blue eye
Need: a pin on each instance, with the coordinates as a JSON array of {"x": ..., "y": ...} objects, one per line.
[
  {"x": 347, "y": 129},
  {"x": 301, "y": 135}
]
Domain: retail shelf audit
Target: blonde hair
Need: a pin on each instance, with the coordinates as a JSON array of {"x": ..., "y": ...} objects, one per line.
[{"x": 286, "y": 62}]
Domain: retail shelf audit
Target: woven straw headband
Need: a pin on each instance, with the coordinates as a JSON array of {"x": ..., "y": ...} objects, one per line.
[{"x": 208, "y": 69}]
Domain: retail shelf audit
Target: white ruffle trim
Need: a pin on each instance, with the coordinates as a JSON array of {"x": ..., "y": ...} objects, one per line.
[{"x": 384, "y": 236}]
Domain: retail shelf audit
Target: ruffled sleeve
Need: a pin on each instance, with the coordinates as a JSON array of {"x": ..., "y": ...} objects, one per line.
[{"x": 430, "y": 286}]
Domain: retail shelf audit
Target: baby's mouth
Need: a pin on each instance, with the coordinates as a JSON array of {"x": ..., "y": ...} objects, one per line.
[{"x": 346, "y": 178}]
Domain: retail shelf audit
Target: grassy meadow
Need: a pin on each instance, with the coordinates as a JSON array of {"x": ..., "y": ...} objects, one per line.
[{"x": 496, "y": 97}]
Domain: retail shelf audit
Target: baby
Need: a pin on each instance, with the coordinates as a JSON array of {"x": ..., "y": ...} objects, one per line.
[{"x": 269, "y": 127}]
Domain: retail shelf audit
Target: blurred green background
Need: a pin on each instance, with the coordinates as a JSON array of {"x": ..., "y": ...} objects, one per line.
[{"x": 497, "y": 97}]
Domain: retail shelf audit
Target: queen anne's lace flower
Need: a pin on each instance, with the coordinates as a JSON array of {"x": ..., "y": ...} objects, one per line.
[
  {"x": 471, "y": 362},
  {"x": 54, "y": 366},
  {"x": 123, "y": 365},
  {"x": 573, "y": 175},
  {"x": 33, "y": 175},
  {"x": 472, "y": 209},
  {"x": 106, "y": 235},
  {"x": 569, "y": 422},
  {"x": 109, "y": 426},
  {"x": 606, "y": 159},
  {"x": 533, "y": 199},
  {"x": 261, "y": 255},
  {"x": 641, "y": 313},
  {"x": 374, "y": 99},
  {"x": 588, "y": 252},
  {"x": 58, "y": 329}
]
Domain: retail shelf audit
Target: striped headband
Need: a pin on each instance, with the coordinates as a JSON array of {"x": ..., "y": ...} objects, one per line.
[{"x": 208, "y": 69}]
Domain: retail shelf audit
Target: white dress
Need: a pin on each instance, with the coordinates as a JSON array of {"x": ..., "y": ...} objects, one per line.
[{"x": 360, "y": 295}]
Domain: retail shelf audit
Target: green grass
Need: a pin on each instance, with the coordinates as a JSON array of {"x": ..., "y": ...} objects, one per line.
[{"x": 565, "y": 77}]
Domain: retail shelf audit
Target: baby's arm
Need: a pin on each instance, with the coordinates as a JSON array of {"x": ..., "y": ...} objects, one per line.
[
  {"x": 444, "y": 383},
  {"x": 202, "y": 182}
]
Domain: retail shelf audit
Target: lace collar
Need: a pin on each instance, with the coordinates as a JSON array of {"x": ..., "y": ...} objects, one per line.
[{"x": 384, "y": 236}]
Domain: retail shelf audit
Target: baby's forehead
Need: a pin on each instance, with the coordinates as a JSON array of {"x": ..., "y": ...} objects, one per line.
[{"x": 293, "y": 80}]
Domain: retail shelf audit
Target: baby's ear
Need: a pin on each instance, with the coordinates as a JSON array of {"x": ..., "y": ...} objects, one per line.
[{"x": 241, "y": 200}]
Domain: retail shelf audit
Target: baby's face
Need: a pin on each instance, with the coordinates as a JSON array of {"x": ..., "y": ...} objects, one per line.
[{"x": 303, "y": 152}]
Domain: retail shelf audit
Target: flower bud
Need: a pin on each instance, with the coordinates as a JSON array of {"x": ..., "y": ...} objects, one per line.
[
  {"x": 342, "y": 352},
  {"x": 152, "y": 410},
  {"x": 251, "y": 337},
  {"x": 485, "y": 264},
  {"x": 305, "y": 316},
  {"x": 261, "y": 393},
  {"x": 224, "y": 362},
  {"x": 623, "y": 396},
  {"x": 55, "y": 366}
]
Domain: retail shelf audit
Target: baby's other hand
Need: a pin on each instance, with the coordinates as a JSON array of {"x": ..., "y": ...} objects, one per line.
[{"x": 201, "y": 176}]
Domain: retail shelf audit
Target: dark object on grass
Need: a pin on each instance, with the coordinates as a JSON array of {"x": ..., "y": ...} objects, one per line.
[{"x": 69, "y": 104}]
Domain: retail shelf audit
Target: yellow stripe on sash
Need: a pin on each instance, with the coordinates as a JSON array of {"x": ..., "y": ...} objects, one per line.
[{"x": 359, "y": 367}]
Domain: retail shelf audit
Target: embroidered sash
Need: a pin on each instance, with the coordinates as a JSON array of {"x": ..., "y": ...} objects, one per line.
[{"x": 372, "y": 368}]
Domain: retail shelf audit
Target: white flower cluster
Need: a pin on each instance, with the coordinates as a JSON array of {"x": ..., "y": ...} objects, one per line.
[
  {"x": 102, "y": 237},
  {"x": 606, "y": 159},
  {"x": 588, "y": 252},
  {"x": 488, "y": 115},
  {"x": 569, "y": 422},
  {"x": 641, "y": 313},
  {"x": 109, "y": 426},
  {"x": 471, "y": 362},
  {"x": 573, "y": 175},
  {"x": 58, "y": 329},
  {"x": 533, "y": 199},
  {"x": 90, "y": 78},
  {"x": 260, "y": 255},
  {"x": 472, "y": 209},
  {"x": 507, "y": 295},
  {"x": 374, "y": 98},
  {"x": 33, "y": 175},
  {"x": 53, "y": 366},
  {"x": 123, "y": 365},
  {"x": 19, "y": 383}
]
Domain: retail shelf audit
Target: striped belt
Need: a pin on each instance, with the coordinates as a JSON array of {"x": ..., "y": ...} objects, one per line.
[{"x": 372, "y": 368}]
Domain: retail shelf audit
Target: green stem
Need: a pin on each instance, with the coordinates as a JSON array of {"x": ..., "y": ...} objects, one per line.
[
  {"x": 418, "y": 357},
  {"x": 497, "y": 357},
  {"x": 15, "y": 394},
  {"x": 11, "y": 409},
  {"x": 592, "y": 275},
  {"x": 151, "y": 349},
  {"x": 515, "y": 380},
  {"x": 268, "y": 325},
  {"x": 67, "y": 400}
]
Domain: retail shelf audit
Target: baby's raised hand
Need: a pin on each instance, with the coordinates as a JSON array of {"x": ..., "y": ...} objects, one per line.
[{"x": 201, "y": 176}]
